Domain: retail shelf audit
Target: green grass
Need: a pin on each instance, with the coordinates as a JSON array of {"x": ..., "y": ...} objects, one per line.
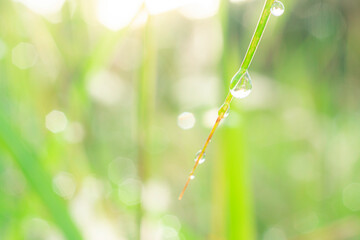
[
  {"x": 279, "y": 164},
  {"x": 35, "y": 174},
  {"x": 264, "y": 17}
]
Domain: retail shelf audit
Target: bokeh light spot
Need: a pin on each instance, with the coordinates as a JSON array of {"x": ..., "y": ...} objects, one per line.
[
  {"x": 186, "y": 120},
  {"x": 64, "y": 185},
  {"x": 56, "y": 121},
  {"x": 24, "y": 55},
  {"x": 129, "y": 191}
]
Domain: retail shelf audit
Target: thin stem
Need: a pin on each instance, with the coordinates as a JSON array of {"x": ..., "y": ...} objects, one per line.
[
  {"x": 255, "y": 40},
  {"x": 217, "y": 122},
  {"x": 145, "y": 108}
]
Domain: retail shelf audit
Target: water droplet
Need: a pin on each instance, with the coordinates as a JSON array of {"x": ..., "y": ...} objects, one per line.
[
  {"x": 277, "y": 8},
  {"x": 192, "y": 177},
  {"x": 186, "y": 120},
  {"x": 202, "y": 159},
  {"x": 224, "y": 109},
  {"x": 226, "y": 113},
  {"x": 240, "y": 85}
]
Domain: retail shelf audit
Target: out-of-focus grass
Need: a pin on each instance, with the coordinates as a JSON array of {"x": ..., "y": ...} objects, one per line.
[
  {"x": 282, "y": 166},
  {"x": 36, "y": 176}
]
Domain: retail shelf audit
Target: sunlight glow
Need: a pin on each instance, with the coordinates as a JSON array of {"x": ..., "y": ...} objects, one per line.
[
  {"x": 43, "y": 7},
  {"x": 117, "y": 14},
  {"x": 105, "y": 87},
  {"x": 199, "y": 9},
  {"x": 161, "y": 6},
  {"x": 239, "y": 1}
]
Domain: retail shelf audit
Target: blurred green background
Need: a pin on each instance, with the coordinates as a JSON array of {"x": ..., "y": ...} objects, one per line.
[{"x": 93, "y": 144}]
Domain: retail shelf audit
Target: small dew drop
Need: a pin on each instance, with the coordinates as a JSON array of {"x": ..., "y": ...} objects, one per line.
[
  {"x": 202, "y": 159},
  {"x": 277, "y": 8},
  {"x": 240, "y": 85},
  {"x": 192, "y": 177},
  {"x": 226, "y": 113},
  {"x": 186, "y": 120}
]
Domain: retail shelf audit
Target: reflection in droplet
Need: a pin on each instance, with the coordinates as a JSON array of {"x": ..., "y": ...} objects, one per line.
[
  {"x": 277, "y": 9},
  {"x": 192, "y": 177},
  {"x": 202, "y": 159},
  {"x": 186, "y": 120},
  {"x": 241, "y": 85},
  {"x": 56, "y": 121}
]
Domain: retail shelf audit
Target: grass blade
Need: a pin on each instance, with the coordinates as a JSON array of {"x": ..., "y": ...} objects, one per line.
[{"x": 37, "y": 177}]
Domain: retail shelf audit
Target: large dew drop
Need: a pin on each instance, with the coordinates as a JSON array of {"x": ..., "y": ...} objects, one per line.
[
  {"x": 202, "y": 159},
  {"x": 277, "y": 8},
  {"x": 240, "y": 85}
]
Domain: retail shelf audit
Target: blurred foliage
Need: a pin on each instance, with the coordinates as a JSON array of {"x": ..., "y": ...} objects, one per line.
[{"x": 89, "y": 141}]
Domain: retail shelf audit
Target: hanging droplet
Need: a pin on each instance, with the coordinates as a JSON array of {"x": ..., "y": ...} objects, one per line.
[
  {"x": 224, "y": 109},
  {"x": 240, "y": 85},
  {"x": 192, "y": 176},
  {"x": 202, "y": 159},
  {"x": 277, "y": 8}
]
